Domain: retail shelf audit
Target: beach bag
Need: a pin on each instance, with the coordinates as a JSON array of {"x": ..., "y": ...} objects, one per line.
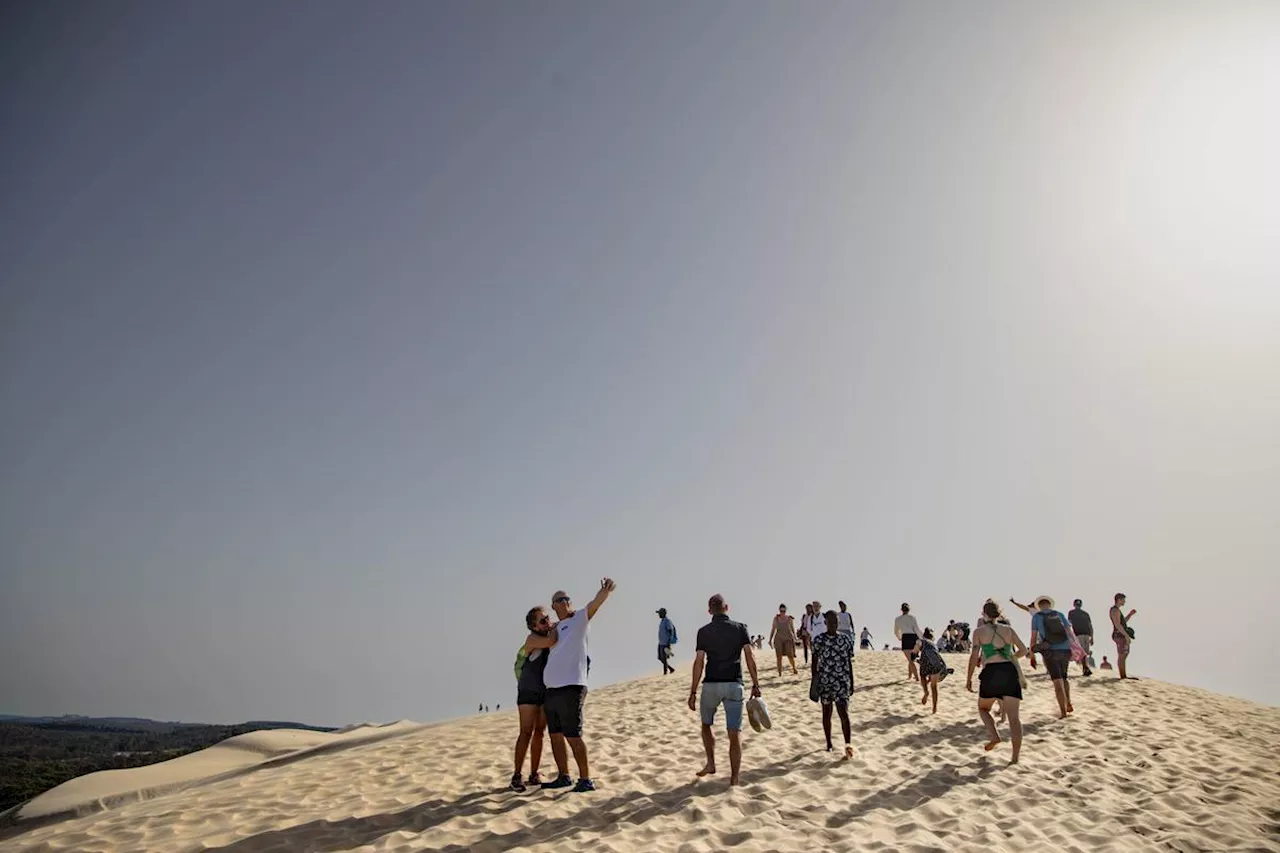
[
  {"x": 1022, "y": 676},
  {"x": 1077, "y": 650},
  {"x": 521, "y": 657},
  {"x": 813, "y": 689}
]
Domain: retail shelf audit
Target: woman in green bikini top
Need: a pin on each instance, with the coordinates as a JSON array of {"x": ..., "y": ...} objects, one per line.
[{"x": 998, "y": 647}]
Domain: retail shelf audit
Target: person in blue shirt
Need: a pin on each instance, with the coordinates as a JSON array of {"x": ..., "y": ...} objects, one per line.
[
  {"x": 666, "y": 639},
  {"x": 1051, "y": 636}
]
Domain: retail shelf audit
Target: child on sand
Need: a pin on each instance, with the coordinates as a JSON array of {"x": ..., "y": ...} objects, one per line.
[{"x": 932, "y": 667}]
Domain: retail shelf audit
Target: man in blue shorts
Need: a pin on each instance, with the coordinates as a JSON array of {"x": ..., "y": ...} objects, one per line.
[{"x": 722, "y": 643}]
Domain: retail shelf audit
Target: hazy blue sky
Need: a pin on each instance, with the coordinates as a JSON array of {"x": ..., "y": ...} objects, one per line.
[{"x": 333, "y": 336}]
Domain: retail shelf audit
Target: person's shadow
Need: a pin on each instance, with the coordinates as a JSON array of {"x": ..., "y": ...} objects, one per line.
[{"x": 322, "y": 836}]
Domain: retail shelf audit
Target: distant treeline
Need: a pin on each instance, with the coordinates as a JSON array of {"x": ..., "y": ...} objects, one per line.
[{"x": 36, "y": 756}]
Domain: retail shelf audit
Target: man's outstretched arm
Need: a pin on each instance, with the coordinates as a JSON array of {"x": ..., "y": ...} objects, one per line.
[{"x": 606, "y": 586}]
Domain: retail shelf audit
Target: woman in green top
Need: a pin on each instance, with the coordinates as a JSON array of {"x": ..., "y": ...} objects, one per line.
[{"x": 997, "y": 647}]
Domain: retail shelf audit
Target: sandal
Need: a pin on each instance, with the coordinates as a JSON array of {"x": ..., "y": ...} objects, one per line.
[
  {"x": 517, "y": 785},
  {"x": 535, "y": 778}
]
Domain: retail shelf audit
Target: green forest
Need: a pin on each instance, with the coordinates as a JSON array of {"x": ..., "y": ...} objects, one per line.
[{"x": 36, "y": 756}]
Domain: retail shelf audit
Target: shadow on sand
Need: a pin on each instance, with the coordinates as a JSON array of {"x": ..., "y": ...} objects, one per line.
[{"x": 322, "y": 836}]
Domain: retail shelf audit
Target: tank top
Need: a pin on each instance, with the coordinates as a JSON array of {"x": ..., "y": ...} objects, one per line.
[
  {"x": 784, "y": 628},
  {"x": 531, "y": 675}
]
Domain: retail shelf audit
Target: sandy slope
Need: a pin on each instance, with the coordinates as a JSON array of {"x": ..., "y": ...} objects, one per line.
[{"x": 1142, "y": 766}]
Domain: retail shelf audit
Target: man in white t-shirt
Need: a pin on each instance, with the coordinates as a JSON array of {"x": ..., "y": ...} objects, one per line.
[
  {"x": 907, "y": 630},
  {"x": 565, "y": 678},
  {"x": 815, "y": 622}
]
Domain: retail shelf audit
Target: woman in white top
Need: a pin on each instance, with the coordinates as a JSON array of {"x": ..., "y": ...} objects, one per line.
[
  {"x": 907, "y": 630},
  {"x": 844, "y": 620}
]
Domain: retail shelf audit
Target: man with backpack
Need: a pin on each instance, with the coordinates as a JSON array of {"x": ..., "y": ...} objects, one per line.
[
  {"x": 667, "y": 638},
  {"x": 1051, "y": 637}
]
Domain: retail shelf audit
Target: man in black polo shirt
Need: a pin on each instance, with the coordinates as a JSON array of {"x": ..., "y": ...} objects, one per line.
[{"x": 721, "y": 645}]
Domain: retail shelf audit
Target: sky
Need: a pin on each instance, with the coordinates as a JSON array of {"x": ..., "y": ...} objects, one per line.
[{"x": 333, "y": 337}]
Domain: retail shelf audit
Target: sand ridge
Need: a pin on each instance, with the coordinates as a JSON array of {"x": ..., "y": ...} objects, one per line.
[{"x": 1141, "y": 766}]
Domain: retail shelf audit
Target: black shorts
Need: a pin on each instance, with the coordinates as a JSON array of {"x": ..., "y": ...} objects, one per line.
[
  {"x": 999, "y": 681},
  {"x": 563, "y": 707},
  {"x": 1057, "y": 662},
  {"x": 908, "y": 643},
  {"x": 531, "y": 697}
]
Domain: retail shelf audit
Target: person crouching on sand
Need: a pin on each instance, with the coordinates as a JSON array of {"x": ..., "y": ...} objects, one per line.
[
  {"x": 998, "y": 647},
  {"x": 932, "y": 667},
  {"x": 832, "y": 672},
  {"x": 530, "y": 694}
]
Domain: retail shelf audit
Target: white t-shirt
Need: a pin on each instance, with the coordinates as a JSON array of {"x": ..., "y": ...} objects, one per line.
[
  {"x": 904, "y": 624},
  {"x": 844, "y": 621},
  {"x": 567, "y": 663},
  {"x": 815, "y": 624}
]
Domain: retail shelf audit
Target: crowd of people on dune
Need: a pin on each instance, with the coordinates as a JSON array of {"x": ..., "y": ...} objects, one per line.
[{"x": 552, "y": 666}]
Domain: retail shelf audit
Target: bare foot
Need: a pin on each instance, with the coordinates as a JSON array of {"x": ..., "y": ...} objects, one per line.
[
  {"x": 734, "y": 781},
  {"x": 848, "y": 753},
  {"x": 924, "y": 701},
  {"x": 992, "y": 745},
  {"x": 1071, "y": 709},
  {"x": 709, "y": 770},
  {"x": 1013, "y": 761}
]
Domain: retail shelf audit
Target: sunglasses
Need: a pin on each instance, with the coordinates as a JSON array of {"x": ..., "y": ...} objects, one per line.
[
  {"x": 544, "y": 619},
  {"x": 564, "y": 599}
]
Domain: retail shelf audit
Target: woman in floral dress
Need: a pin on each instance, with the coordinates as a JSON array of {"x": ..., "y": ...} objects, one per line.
[
  {"x": 832, "y": 670},
  {"x": 932, "y": 667}
]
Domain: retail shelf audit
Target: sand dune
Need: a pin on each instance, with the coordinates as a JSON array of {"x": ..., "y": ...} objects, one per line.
[
  {"x": 1141, "y": 766},
  {"x": 107, "y": 789}
]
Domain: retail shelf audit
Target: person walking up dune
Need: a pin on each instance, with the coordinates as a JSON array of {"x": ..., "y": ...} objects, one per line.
[
  {"x": 667, "y": 638},
  {"x": 932, "y": 667},
  {"x": 1051, "y": 636},
  {"x": 832, "y": 673},
  {"x": 566, "y": 679},
  {"x": 722, "y": 644},
  {"x": 997, "y": 647},
  {"x": 803, "y": 635},
  {"x": 846, "y": 620},
  {"x": 1082, "y": 625},
  {"x": 907, "y": 630},
  {"x": 782, "y": 638}
]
